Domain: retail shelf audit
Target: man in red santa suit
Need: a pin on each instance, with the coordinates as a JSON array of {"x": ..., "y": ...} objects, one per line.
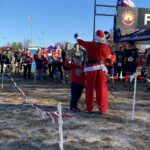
[{"x": 97, "y": 52}]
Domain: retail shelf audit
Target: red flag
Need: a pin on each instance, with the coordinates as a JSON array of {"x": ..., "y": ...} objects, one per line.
[
  {"x": 139, "y": 77},
  {"x": 56, "y": 115},
  {"x": 126, "y": 78},
  {"x": 125, "y": 3}
]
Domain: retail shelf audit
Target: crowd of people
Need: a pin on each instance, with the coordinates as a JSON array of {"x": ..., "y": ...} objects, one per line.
[
  {"x": 49, "y": 62},
  {"x": 86, "y": 64}
]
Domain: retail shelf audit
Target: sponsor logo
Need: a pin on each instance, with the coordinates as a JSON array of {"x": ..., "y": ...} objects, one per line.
[{"x": 128, "y": 18}]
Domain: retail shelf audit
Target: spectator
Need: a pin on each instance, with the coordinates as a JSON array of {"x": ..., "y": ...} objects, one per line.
[
  {"x": 1, "y": 61},
  {"x": 27, "y": 63},
  {"x": 78, "y": 52},
  {"x": 111, "y": 59},
  {"x": 147, "y": 55},
  {"x": 110, "y": 64},
  {"x": 66, "y": 54},
  {"x": 49, "y": 61},
  {"x": 120, "y": 56},
  {"x": 130, "y": 61},
  {"x": 4, "y": 61},
  {"x": 38, "y": 62},
  {"x": 57, "y": 62},
  {"x": 9, "y": 63},
  {"x": 17, "y": 56},
  {"x": 44, "y": 58}
]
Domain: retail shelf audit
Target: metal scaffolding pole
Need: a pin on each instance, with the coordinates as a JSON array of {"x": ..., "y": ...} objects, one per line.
[
  {"x": 94, "y": 19},
  {"x": 100, "y": 14}
]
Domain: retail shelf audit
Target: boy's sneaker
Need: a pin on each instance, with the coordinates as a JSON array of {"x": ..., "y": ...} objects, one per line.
[{"x": 75, "y": 109}]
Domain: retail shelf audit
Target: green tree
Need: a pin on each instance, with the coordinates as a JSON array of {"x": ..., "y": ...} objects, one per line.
[
  {"x": 14, "y": 47},
  {"x": 20, "y": 45}
]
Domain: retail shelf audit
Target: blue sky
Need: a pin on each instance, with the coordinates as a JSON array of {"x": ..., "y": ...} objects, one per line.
[{"x": 57, "y": 19}]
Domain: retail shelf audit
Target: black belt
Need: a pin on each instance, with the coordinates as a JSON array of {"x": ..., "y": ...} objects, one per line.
[{"x": 91, "y": 61}]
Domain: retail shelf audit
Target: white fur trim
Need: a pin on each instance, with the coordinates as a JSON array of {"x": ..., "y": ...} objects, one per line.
[
  {"x": 93, "y": 68},
  {"x": 100, "y": 39},
  {"x": 77, "y": 38}
]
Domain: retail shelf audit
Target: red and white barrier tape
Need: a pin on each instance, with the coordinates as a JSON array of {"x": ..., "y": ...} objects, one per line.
[
  {"x": 131, "y": 77},
  {"x": 54, "y": 115}
]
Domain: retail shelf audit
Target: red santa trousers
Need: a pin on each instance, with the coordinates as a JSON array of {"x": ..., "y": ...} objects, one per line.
[{"x": 97, "y": 79}]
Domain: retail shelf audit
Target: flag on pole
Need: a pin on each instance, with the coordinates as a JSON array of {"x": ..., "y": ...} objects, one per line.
[{"x": 125, "y": 3}]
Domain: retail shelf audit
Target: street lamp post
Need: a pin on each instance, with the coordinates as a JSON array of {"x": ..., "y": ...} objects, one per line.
[
  {"x": 40, "y": 41},
  {"x": 94, "y": 19},
  {"x": 4, "y": 39},
  {"x": 30, "y": 18},
  {"x": 43, "y": 38}
]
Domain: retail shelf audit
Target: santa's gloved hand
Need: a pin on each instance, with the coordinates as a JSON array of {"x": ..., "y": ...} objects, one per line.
[
  {"x": 76, "y": 35},
  {"x": 108, "y": 60}
]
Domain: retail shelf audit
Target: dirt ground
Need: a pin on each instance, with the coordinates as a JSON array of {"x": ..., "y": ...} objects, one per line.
[{"x": 21, "y": 128}]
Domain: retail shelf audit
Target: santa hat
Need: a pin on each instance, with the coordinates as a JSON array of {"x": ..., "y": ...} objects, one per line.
[{"x": 101, "y": 35}]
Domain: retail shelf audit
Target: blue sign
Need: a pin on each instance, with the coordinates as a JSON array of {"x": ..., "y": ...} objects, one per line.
[{"x": 33, "y": 51}]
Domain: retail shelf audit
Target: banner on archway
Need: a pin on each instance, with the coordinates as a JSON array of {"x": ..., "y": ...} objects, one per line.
[{"x": 131, "y": 24}]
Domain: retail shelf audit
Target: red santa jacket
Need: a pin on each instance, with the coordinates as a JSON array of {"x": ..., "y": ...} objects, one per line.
[
  {"x": 96, "y": 52},
  {"x": 77, "y": 74}
]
